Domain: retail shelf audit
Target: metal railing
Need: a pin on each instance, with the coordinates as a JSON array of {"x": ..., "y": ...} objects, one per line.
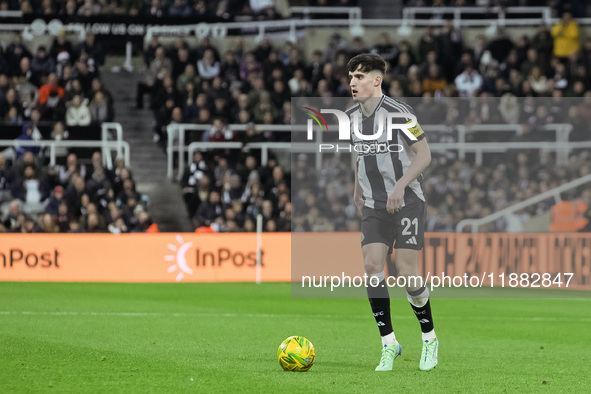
[
  {"x": 263, "y": 146},
  {"x": 354, "y": 12},
  {"x": 562, "y": 149},
  {"x": 106, "y": 147},
  {"x": 176, "y": 134},
  {"x": 552, "y": 193},
  {"x": 545, "y": 13},
  {"x": 106, "y": 128},
  {"x": 176, "y": 137},
  {"x": 11, "y": 14}
]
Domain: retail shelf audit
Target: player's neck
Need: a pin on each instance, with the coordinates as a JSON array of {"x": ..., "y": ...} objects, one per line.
[{"x": 369, "y": 106}]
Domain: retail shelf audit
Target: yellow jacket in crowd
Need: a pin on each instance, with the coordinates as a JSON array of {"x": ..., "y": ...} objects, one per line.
[{"x": 566, "y": 38}]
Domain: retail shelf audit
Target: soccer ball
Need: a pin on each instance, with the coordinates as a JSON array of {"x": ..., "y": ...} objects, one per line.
[{"x": 296, "y": 354}]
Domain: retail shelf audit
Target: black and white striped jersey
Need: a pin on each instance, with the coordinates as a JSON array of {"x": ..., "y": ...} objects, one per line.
[{"x": 380, "y": 163}]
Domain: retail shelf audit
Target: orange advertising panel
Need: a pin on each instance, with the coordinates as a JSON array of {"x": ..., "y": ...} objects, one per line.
[
  {"x": 189, "y": 257},
  {"x": 164, "y": 257},
  {"x": 498, "y": 259}
]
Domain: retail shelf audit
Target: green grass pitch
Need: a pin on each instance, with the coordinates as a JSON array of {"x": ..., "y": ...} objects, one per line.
[{"x": 168, "y": 338}]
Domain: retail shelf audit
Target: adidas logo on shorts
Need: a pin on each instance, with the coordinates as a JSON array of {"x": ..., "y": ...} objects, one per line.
[{"x": 412, "y": 240}]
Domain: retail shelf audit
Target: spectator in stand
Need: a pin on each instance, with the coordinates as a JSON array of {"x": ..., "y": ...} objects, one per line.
[
  {"x": 232, "y": 188},
  {"x": 179, "y": 8},
  {"x": 13, "y": 117},
  {"x": 74, "y": 192},
  {"x": 23, "y": 77},
  {"x": 193, "y": 176},
  {"x": 84, "y": 72},
  {"x": 187, "y": 77},
  {"x": 10, "y": 100},
  {"x": 250, "y": 67},
  {"x": 264, "y": 105},
  {"x": 59, "y": 45},
  {"x": 72, "y": 167},
  {"x": 230, "y": 68},
  {"x": 209, "y": 210},
  {"x": 164, "y": 101},
  {"x": 17, "y": 51},
  {"x": 434, "y": 83},
  {"x": 500, "y": 46},
  {"x": 543, "y": 43},
  {"x": 100, "y": 110},
  {"x": 538, "y": 81},
  {"x": 50, "y": 90},
  {"x": 29, "y": 133},
  {"x": 32, "y": 190},
  {"x": 180, "y": 57},
  {"x": 143, "y": 220},
  {"x": 97, "y": 86},
  {"x": 70, "y": 10},
  {"x": 48, "y": 224},
  {"x": 468, "y": 82},
  {"x": 155, "y": 9},
  {"x": 73, "y": 87},
  {"x": 54, "y": 201},
  {"x": 78, "y": 113},
  {"x": 160, "y": 67},
  {"x": 400, "y": 72},
  {"x": 428, "y": 43},
  {"x": 11, "y": 221},
  {"x": 208, "y": 66},
  {"x": 566, "y": 37},
  {"x": 6, "y": 179},
  {"x": 63, "y": 217},
  {"x": 3, "y": 79},
  {"x": 89, "y": 8},
  {"x": 385, "y": 48},
  {"x": 41, "y": 65}
]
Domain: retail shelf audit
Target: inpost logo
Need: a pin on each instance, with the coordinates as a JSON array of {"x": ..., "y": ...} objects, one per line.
[
  {"x": 179, "y": 257},
  {"x": 366, "y": 144},
  {"x": 188, "y": 260}
]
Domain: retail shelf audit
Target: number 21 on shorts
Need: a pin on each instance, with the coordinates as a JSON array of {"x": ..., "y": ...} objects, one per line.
[{"x": 407, "y": 223}]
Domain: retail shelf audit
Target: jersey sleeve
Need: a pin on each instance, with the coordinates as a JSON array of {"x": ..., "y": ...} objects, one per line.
[{"x": 416, "y": 131}]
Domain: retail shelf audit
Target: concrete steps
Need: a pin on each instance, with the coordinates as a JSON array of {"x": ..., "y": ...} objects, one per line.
[{"x": 148, "y": 160}]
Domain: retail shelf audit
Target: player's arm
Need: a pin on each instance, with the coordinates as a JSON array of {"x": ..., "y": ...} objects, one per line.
[
  {"x": 417, "y": 166},
  {"x": 358, "y": 192}
]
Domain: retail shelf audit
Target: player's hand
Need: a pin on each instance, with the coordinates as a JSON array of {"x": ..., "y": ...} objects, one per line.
[{"x": 395, "y": 199}]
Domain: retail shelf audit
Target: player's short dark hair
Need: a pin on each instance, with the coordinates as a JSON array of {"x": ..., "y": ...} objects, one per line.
[{"x": 368, "y": 62}]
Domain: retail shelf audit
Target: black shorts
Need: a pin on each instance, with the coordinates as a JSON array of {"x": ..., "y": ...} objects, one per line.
[{"x": 406, "y": 227}]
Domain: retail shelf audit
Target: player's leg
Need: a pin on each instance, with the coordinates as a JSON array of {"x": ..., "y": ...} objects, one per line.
[
  {"x": 374, "y": 259},
  {"x": 418, "y": 297},
  {"x": 410, "y": 239}
]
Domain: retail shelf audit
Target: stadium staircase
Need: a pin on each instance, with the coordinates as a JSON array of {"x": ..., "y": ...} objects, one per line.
[{"x": 148, "y": 160}]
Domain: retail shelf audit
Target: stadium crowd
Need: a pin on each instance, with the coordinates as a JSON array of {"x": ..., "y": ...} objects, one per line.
[
  {"x": 45, "y": 94},
  {"x": 200, "y": 85},
  {"x": 224, "y": 190}
]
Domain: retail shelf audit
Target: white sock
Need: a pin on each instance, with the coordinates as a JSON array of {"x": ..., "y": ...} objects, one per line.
[
  {"x": 379, "y": 275},
  {"x": 389, "y": 340},
  {"x": 419, "y": 300},
  {"x": 428, "y": 336}
]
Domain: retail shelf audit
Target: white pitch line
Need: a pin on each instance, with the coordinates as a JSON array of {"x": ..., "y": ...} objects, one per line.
[{"x": 275, "y": 315}]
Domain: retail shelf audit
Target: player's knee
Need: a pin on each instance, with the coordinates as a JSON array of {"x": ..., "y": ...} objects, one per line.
[
  {"x": 404, "y": 268},
  {"x": 373, "y": 265}
]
